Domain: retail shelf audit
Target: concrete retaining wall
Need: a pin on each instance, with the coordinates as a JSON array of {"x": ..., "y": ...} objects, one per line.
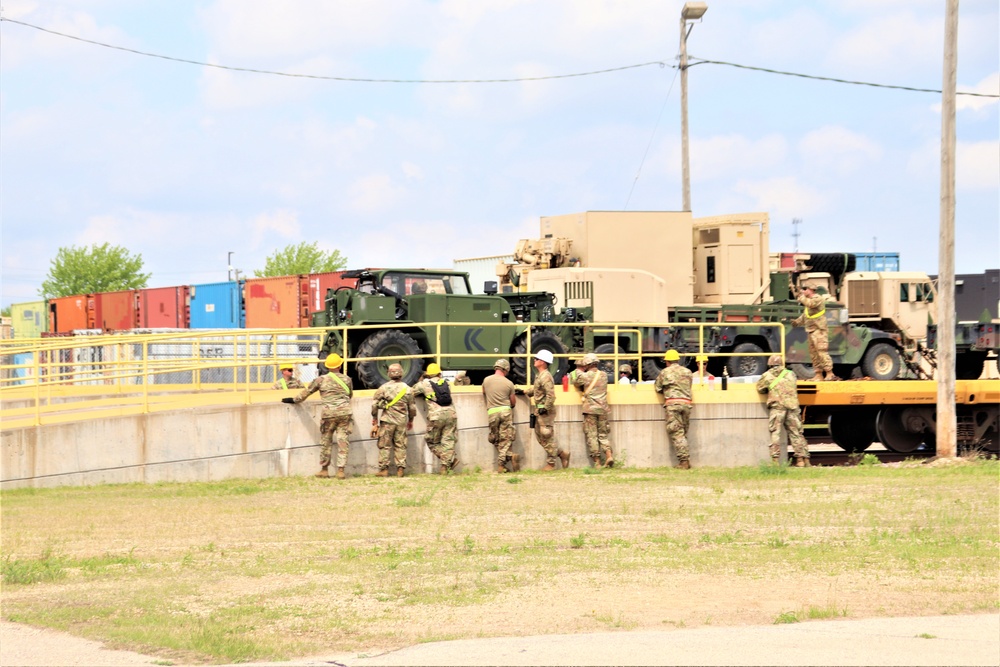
[{"x": 274, "y": 439}]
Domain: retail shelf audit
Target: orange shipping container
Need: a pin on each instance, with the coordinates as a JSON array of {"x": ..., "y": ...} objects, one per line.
[
  {"x": 165, "y": 307},
  {"x": 319, "y": 283},
  {"x": 67, "y": 313},
  {"x": 113, "y": 311},
  {"x": 277, "y": 303}
]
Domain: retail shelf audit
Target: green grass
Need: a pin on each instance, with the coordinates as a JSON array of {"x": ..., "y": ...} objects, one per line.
[{"x": 279, "y": 568}]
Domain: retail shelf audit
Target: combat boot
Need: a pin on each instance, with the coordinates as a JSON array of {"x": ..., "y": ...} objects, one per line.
[
  {"x": 776, "y": 460},
  {"x": 444, "y": 469},
  {"x": 382, "y": 473},
  {"x": 684, "y": 465},
  {"x": 501, "y": 468},
  {"x": 830, "y": 377},
  {"x": 548, "y": 467},
  {"x": 609, "y": 458},
  {"x": 323, "y": 473},
  {"x": 515, "y": 462},
  {"x": 340, "y": 473},
  {"x": 564, "y": 457},
  {"x": 818, "y": 377},
  {"x": 400, "y": 472},
  {"x": 596, "y": 460},
  {"x": 802, "y": 462}
]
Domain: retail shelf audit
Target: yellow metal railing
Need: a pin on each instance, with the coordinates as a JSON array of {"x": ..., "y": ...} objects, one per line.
[{"x": 88, "y": 375}]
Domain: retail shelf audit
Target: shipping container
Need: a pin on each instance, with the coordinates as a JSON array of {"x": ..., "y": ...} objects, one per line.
[
  {"x": 876, "y": 261},
  {"x": 280, "y": 302},
  {"x": 112, "y": 311},
  {"x": 481, "y": 269},
  {"x": 319, "y": 283},
  {"x": 67, "y": 313},
  {"x": 165, "y": 307},
  {"x": 29, "y": 319},
  {"x": 217, "y": 306}
]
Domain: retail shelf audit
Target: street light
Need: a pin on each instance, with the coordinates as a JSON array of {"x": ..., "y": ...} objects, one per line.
[{"x": 692, "y": 12}]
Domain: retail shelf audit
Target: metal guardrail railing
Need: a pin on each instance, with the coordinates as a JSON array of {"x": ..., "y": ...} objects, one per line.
[{"x": 50, "y": 375}]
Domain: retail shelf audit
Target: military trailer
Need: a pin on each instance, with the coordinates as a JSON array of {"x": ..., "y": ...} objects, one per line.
[{"x": 415, "y": 301}]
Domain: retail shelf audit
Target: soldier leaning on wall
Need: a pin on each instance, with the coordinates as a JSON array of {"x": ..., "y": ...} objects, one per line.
[
  {"x": 674, "y": 382},
  {"x": 337, "y": 420}
]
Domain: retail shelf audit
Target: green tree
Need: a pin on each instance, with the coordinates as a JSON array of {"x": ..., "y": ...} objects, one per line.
[
  {"x": 99, "y": 268},
  {"x": 299, "y": 259}
]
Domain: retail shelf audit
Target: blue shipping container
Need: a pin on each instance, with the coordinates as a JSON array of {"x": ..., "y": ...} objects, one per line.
[
  {"x": 217, "y": 306},
  {"x": 877, "y": 261}
]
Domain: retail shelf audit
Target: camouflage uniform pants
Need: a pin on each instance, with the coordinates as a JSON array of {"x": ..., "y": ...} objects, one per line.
[
  {"x": 595, "y": 431},
  {"x": 778, "y": 417},
  {"x": 391, "y": 437},
  {"x": 502, "y": 433},
  {"x": 339, "y": 429},
  {"x": 545, "y": 432},
  {"x": 441, "y": 437},
  {"x": 818, "y": 346},
  {"x": 678, "y": 417}
]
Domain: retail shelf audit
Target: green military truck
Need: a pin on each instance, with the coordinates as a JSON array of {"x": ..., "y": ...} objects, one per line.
[
  {"x": 415, "y": 301},
  {"x": 974, "y": 342}
]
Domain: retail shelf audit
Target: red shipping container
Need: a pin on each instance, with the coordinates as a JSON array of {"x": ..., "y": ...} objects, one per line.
[
  {"x": 276, "y": 303},
  {"x": 67, "y": 313},
  {"x": 319, "y": 283},
  {"x": 165, "y": 307},
  {"x": 788, "y": 260},
  {"x": 113, "y": 311}
]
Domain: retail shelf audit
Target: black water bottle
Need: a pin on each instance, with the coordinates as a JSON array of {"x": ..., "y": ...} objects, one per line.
[{"x": 725, "y": 378}]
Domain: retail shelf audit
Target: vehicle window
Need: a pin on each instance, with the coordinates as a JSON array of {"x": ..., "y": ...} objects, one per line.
[
  {"x": 904, "y": 293},
  {"x": 424, "y": 283},
  {"x": 928, "y": 292}
]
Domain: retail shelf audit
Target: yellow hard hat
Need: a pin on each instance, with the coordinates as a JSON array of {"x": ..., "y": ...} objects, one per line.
[
  {"x": 433, "y": 369},
  {"x": 286, "y": 367},
  {"x": 671, "y": 355},
  {"x": 334, "y": 360},
  {"x": 701, "y": 358}
]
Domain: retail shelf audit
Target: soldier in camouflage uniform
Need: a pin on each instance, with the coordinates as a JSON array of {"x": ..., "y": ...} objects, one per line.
[
  {"x": 442, "y": 420},
  {"x": 593, "y": 382},
  {"x": 288, "y": 380},
  {"x": 543, "y": 398},
  {"x": 398, "y": 410},
  {"x": 337, "y": 421},
  {"x": 498, "y": 393},
  {"x": 814, "y": 319},
  {"x": 674, "y": 382},
  {"x": 783, "y": 409}
]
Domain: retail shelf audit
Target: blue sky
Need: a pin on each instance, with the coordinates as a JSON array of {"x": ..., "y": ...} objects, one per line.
[{"x": 184, "y": 164}]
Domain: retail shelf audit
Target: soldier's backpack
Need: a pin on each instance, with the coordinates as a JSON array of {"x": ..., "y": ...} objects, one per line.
[{"x": 442, "y": 393}]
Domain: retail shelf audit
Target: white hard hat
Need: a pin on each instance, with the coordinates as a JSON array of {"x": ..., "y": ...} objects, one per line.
[{"x": 545, "y": 356}]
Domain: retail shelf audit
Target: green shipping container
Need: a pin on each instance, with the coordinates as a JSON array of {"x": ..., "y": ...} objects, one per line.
[{"x": 29, "y": 320}]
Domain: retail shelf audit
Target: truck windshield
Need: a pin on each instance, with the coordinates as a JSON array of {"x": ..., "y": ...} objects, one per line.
[{"x": 425, "y": 283}]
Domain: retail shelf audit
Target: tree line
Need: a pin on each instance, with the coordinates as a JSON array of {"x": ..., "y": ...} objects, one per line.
[{"x": 110, "y": 268}]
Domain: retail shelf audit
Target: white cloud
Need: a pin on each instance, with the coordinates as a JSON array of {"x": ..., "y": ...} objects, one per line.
[
  {"x": 839, "y": 149},
  {"x": 373, "y": 193},
  {"x": 889, "y": 43},
  {"x": 977, "y": 165},
  {"x": 723, "y": 156},
  {"x": 283, "y": 223},
  {"x": 784, "y": 197},
  {"x": 989, "y": 85}
]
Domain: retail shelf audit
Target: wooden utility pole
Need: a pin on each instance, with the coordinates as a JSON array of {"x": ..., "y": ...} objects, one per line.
[{"x": 946, "y": 420}]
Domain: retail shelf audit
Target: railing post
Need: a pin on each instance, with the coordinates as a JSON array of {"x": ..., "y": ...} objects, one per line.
[{"x": 145, "y": 377}]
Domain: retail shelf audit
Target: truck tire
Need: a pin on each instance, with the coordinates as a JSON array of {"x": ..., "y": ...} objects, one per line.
[
  {"x": 540, "y": 340},
  {"x": 388, "y": 343},
  {"x": 881, "y": 362},
  {"x": 969, "y": 365},
  {"x": 651, "y": 368},
  {"x": 608, "y": 365},
  {"x": 741, "y": 366},
  {"x": 803, "y": 371}
]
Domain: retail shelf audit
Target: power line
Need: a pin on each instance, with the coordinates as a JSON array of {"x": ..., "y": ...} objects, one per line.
[
  {"x": 336, "y": 78},
  {"x": 660, "y": 63},
  {"x": 702, "y": 61}
]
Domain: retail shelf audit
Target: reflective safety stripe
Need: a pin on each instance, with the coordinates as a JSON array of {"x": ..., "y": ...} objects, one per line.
[
  {"x": 400, "y": 395},
  {"x": 499, "y": 409},
  {"x": 778, "y": 379},
  {"x": 284, "y": 385},
  {"x": 819, "y": 314},
  {"x": 342, "y": 384}
]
